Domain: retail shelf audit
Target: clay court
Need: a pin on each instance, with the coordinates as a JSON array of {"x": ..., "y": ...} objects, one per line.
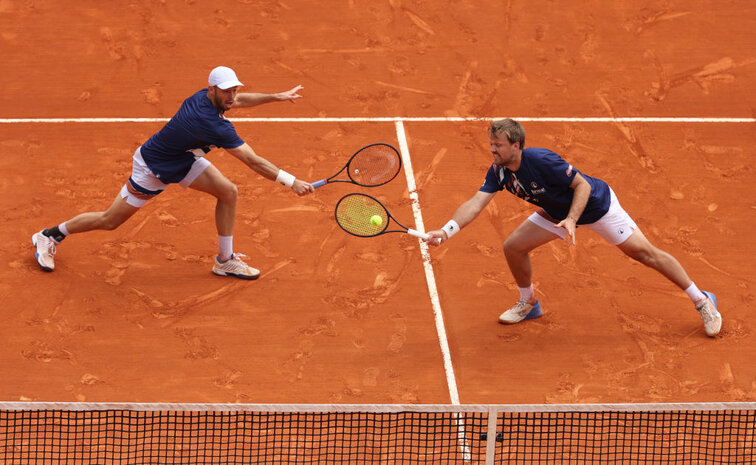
[{"x": 135, "y": 315}]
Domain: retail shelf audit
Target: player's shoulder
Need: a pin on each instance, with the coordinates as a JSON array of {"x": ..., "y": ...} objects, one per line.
[
  {"x": 195, "y": 105},
  {"x": 539, "y": 152},
  {"x": 494, "y": 170},
  {"x": 197, "y": 99},
  {"x": 541, "y": 156},
  {"x": 204, "y": 111}
]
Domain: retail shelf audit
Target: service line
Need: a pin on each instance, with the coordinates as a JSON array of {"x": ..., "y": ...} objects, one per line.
[{"x": 389, "y": 119}]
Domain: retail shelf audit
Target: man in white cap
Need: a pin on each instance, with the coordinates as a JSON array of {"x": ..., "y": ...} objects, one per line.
[{"x": 175, "y": 154}]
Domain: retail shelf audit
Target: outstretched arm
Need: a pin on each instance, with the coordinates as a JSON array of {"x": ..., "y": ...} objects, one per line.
[
  {"x": 464, "y": 215},
  {"x": 251, "y": 99},
  {"x": 268, "y": 170}
]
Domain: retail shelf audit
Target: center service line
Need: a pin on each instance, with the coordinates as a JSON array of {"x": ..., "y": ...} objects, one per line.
[
  {"x": 432, "y": 290},
  {"x": 429, "y": 277}
]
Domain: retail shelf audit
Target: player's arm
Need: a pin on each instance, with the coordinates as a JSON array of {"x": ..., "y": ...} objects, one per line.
[
  {"x": 251, "y": 99},
  {"x": 464, "y": 215},
  {"x": 247, "y": 155},
  {"x": 582, "y": 191}
]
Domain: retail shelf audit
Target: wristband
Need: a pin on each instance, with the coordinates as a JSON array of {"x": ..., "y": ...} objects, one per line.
[
  {"x": 285, "y": 178},
  {"x": 451, "y": 228}
]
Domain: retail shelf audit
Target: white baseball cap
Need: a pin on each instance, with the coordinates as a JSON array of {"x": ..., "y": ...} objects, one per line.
[{"x": 223, "y": 77}]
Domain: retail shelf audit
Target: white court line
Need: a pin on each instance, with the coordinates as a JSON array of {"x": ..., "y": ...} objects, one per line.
[
  {"x": 429, "y": 277},
  {"x": 451, "y": 380},
  {"x": 395, "y": 119}
]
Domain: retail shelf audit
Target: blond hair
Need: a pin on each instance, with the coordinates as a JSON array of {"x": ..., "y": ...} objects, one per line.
[{"x": 510, "y": 128}]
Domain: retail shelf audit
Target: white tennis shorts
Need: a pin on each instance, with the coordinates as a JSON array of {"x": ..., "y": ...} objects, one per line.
[
  {"x": 615, "y": 226},
  {"x": 144, "y": 185}
]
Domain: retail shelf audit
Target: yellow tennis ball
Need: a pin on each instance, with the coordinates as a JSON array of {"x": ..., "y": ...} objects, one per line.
[{"x": 376, "y": 220}]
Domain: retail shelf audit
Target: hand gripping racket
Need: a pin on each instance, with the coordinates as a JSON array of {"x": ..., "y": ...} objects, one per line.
[
  {"x": 354, "y": 211},
  {"x": 371, "y": 166}
]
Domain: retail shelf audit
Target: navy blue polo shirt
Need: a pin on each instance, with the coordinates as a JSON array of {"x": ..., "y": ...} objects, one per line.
[
  {"x": 544, "y": 179},
  {"x": 194, "y": 130}
]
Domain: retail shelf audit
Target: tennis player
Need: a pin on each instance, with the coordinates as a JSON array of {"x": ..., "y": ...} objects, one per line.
[
  {"x": 567, "y": 199},
  {"x": 176, "y": 155}
]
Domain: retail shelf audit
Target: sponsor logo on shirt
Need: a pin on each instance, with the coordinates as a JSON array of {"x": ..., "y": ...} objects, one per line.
[{"x": 515, "y": 186}]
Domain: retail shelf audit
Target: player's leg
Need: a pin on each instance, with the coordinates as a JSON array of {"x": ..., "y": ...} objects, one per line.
[
  {"x": 639, "y": 248},
  {"x": 518, "y": 246},
  {"x": 617, "y": 228},
  {"x": 532, "y": 233},
  {"x": 140, "y": 187},
  {"x": 47, "y": 240},
  {"x": 117, "y": 214},
  {"x": 213, "y": 182}
]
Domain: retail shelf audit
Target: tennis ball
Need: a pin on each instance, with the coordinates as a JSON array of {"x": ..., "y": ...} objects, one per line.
[{"x": 376, "y": 220}]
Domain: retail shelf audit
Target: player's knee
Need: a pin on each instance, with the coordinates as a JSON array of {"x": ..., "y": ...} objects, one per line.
[
  {"x": 512, "y": 246},
  {"x": 646, "y": 257},
  {"x": 229, "y": 193}
]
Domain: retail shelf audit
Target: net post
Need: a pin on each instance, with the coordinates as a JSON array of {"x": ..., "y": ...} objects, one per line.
[{"x": 491, "y": 436}]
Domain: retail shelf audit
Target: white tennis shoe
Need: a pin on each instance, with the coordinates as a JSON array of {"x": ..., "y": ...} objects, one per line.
[
  {"x": 45, "y": 251},
  {"x": 521, "y": 311},
  {"x": 236, "y": 267},
  {"x": 712, "y": 320}
]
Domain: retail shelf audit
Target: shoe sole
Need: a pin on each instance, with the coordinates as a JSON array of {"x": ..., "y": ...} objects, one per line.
[
  {"x": 240, "y": 276},
  {"x": 535, "y": 312},
  {"x": 36, "y": 256}
]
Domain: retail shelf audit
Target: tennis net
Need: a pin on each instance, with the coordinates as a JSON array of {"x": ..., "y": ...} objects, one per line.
[{"x": 89, "y": 433}]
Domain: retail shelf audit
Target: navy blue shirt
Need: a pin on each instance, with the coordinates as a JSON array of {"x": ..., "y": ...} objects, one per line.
[
  {"x": 194, "y": 130},
  {"x": 544, "y": 179}
]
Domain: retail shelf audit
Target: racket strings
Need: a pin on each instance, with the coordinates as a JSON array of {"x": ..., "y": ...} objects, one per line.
[
  {"x": 353, "y": 213},
  {"x": 375, "y": 165}
]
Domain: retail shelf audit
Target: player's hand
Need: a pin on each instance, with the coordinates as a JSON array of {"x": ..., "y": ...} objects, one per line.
[
  {"x": 290, "y": 95},
  {"x": 437, "y": 237},
  {"x": 570, "y": 225},
  {"x": 302, "y": 187}
]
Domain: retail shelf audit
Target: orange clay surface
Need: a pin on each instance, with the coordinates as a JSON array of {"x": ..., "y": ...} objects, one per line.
[{"x": 135, "y": 315}]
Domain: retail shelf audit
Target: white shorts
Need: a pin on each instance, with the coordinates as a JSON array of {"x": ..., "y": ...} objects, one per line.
[
  {"x": 144, "y": 185},
  {"x": 615, "y": 226}
]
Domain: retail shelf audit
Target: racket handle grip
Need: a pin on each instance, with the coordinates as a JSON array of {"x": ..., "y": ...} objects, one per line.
[
  {"x": 320, "y": 183},
  {"x": 419, "y": 234}
]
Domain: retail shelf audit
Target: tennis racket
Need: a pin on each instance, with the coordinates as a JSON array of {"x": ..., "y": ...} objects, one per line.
[
  {"x": 355, "y": 211},
  {"x": 371, "y": 166}
]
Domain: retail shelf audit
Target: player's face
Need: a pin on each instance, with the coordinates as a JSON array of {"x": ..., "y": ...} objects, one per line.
[
  {"x": 504, "y": 152},
  {"x": 223, "y": 99}
]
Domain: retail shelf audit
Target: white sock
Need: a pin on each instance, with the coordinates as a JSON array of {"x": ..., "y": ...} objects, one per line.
[
  {"x": 225, "y": 247},
  {"x": 694, "y": 293},
  {"x": 526, "y": 293},
  {"x": 63, "y": 230}
]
